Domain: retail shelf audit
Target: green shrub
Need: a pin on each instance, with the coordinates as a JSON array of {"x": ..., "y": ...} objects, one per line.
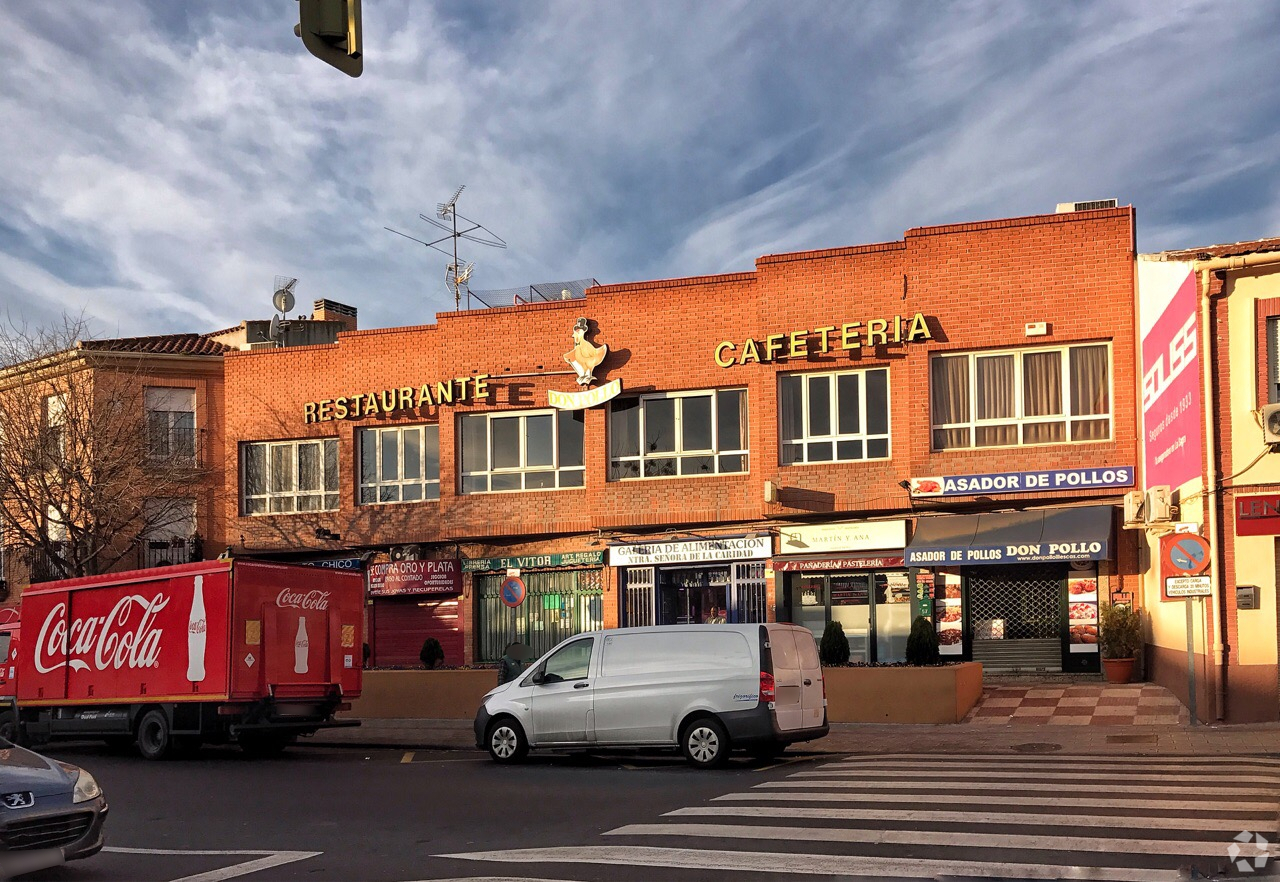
[
  {"x": 432, "y": 654},
  {"x": 922, "y": 644},
  {"x": 1119, "y": 631},
  {"x": 834, "y": 648}
]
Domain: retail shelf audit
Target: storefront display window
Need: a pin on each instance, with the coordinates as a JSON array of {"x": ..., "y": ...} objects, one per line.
[
  {"x": 281, "y": 477},
  {"x": 399, "y": 464},
  {"x": 1021, "y": 397},
  {"x": 873, "y": 608},
  {"x": 557, "y": 605},
  {"x": 695, "y": 595},
  {"x": 834, "y": 417},
  {"x": 685, "y": 434},
  {"x": 537, "y": 450}
]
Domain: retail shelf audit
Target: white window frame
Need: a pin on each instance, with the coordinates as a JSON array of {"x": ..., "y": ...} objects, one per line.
[
  {"x": 55, "y": 425},
  {"x": 1272, "y": 364},
  {"x": 295, "y": 496},
  {"x": 1066, "y": 418},
  {"x": 523, "y": 471},
  {"x": 834, "y": 438},
  {"x": 429, "y": 484},
  {"x": 678, "y": 453}
]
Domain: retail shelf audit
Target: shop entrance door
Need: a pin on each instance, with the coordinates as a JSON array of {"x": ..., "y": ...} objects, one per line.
[
  {"x": 693, "y": 595},
  {"x": 1015, "y": 616}
]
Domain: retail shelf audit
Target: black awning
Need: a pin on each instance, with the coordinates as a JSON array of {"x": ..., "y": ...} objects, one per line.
[{"x": 1049, "y": 534}]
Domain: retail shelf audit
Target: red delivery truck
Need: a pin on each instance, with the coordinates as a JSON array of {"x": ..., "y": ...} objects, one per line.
[{"x": 220, "y": 651}]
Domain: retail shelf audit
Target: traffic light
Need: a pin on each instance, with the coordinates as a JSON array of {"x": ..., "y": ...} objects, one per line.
[{"x": 330, "y": 29}]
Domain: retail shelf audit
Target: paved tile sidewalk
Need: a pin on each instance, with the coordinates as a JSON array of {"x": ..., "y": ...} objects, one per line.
[{"x": 1066, "y": 704}]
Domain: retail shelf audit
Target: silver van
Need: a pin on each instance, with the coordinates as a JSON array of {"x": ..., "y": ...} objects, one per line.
[{"x": 705, "y": 689}]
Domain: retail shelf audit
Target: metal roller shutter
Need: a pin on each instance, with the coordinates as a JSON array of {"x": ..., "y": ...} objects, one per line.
[{"x": 401, "y": 624}]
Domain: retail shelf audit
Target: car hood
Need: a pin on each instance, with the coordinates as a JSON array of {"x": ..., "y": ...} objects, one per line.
[{"x": 23, "y": 770}]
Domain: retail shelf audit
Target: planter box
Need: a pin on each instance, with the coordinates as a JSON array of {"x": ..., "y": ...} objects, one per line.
[
  {"x": 422, "y": 695},
  {"x": 902, "y": 695}
]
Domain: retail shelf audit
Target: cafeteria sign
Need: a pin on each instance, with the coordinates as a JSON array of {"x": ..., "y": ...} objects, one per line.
[
  {"x": 1022, "y": 482},
  {"x": 415, "y": 577}
]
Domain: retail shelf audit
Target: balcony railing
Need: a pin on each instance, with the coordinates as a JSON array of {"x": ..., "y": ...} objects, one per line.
[{"x": 177, "y": 447}]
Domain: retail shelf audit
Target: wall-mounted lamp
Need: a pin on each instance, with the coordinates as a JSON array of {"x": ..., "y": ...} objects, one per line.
[
  {"x": 771, "y": 492},
  {"x": 326, "y": 534},
  {"x": 904, "y": 484}
]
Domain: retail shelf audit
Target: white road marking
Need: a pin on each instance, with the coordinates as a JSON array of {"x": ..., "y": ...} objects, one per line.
[
  {"x": 1040, "y": 786},
  {"x": 810, "y": 864},
  {"x": 1071, "y": 773},
  {"x": 1010, "y": 818},
  {"x": 265, "y": 860},
  {"x": 914, "y": 837},
  {"x": 962, "y": 799},
  {"x": 913, "y": 760}
]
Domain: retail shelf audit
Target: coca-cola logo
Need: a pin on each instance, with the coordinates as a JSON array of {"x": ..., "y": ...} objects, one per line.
[
  {"x": 199, "y": 626},
  {"x": 303, "y": 599},
  {"x": 115, "y": 640}
]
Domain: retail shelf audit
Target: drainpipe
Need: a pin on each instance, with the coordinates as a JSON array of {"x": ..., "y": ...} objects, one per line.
[{"x": 1213, "y": 490}]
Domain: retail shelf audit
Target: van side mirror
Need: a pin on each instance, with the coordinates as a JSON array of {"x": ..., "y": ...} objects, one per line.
[{"x": 537, "y": 678}]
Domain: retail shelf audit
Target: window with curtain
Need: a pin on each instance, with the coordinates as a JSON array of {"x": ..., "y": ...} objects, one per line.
[
  {"x": 399, "y": 464},
  {"x": 1021, "y": 397},
  {"x": 834, "y": 417},
  {"x": 283, "y": 477},
  {"x": 678, "y": 434},
  {"x": 171, "y": 422},
  {"x": 533, "y": 450},
  {"x": 1273, "y": 359}
]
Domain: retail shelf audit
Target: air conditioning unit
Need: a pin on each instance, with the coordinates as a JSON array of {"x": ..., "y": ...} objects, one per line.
[
  {"x": 405, "y": 552},
  {"x": 1135, "y": 508},
  {"x": 1271, "y": 424},
  {"x": 1159, "y": 505},
  {"x": 1094, "y": 205}
]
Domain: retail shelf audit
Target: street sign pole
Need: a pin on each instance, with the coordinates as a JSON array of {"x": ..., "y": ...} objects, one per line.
[{"x": 1191, "y": 663}]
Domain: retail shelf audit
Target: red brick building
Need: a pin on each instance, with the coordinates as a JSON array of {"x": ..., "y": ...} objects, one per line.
[{"x": 838, "y": 435}]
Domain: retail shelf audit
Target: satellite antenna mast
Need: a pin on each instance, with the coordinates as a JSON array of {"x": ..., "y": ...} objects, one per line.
[
  {"x": 456, "y": 274},
  {"x": 282, "y": 300}
]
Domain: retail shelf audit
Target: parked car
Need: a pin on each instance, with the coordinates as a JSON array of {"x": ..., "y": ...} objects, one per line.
[
  {"x": 704, "y": 689},
  {"x": 50, "y": 811}
]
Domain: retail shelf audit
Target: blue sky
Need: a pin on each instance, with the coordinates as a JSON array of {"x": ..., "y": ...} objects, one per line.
[{"x": 164, "y": 161}]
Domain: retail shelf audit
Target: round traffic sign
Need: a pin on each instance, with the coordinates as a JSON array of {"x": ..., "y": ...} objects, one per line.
[
  {"x": 1185, "y": 554},
  {"x": 512, "y": 591}
]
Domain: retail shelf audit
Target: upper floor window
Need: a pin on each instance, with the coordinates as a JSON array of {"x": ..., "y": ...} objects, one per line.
[
  {"x": 834, "y": 417},
  {"x": 535, "y": 450},
  {"x": 680, "y": 433},
  {"x": 1029, "y": 396},
  {"x": 279, "y": 477},
  {"x": 1273, "y": 359},
  {"x": 169, "y": 531},
  {"x": 399, "y": 464},
  {"x": 55, "y": 426},
  {"x": 171, "y": 422}
]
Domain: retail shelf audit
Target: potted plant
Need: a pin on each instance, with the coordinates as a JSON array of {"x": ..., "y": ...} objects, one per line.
[{"x": 1119, "y": 639}]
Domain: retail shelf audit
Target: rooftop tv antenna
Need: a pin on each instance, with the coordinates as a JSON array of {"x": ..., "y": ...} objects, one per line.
[
  {"x": 456, "y": 274},
  {"x": 282, "y": 300}
]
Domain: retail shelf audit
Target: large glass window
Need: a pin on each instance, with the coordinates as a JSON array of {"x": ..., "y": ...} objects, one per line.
[
  {"x": 280, "y": 477},
  {"x": 558, "y": 605},
  {"x": 681, "y": 433},
  {"x": 1273, "y": 359},
  {"x": 399, "y": 464},
  {"x": 834, "y": 417},
  {"x": 537, "y": 450},
  {"x": 171, "y": 422},
  {"x": 1019, "y": 397}
]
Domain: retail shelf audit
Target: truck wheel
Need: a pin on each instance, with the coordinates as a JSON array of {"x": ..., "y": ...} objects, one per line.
[
  {"x": 265, "y": 745},
  {"x": 9, "y": 727},
  {"x": 155, "y": 741},
  {"x": 506, "y": 741},
  {"x": 705, "y": 743}
]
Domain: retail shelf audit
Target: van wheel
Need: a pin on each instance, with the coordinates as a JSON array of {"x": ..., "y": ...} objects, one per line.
[
  {"x": 155, "y": 739},
  {"x": 705, "y": 743},
  {"x": 506, "y": 741}
]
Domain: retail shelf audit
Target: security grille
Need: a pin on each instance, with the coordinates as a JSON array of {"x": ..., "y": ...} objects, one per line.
[
  {"x": 1022, "y": 602},
  {"x": 639, "y": 594},
  {"x": 749, "y": 589},
  {"x": 558, "y": 604}
]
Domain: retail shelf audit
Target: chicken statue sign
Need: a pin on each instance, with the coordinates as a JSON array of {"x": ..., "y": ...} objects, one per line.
[{"x": 584, "y": 358}]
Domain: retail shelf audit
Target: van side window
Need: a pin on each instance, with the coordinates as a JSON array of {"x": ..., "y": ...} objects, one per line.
[
  {"x": 783, "y": 645},
  {"x": 808, "y": 649},
  {"x": 570, "y": 663},
  {"x": 670, "y": 653}
]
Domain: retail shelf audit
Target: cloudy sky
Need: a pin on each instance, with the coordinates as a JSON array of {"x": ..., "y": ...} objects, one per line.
[{"x": 163, "y": 161}]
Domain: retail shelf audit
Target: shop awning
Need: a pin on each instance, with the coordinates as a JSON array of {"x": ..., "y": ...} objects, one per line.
[{"x": 1051, "y": 534}]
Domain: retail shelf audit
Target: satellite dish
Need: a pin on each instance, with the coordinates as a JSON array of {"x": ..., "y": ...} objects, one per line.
[
  {"x": 274, "y": 332},
  {"x": 282, "y": 299}
]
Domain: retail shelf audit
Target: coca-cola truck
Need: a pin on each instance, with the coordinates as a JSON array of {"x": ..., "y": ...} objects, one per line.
[{"x": 220, "y": 651}]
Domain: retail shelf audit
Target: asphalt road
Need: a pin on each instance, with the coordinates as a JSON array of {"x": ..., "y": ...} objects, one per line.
[{"x": 349, "y": 814}]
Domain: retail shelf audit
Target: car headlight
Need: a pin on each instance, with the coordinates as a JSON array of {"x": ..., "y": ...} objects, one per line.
[{"x": 86, "y": 788}]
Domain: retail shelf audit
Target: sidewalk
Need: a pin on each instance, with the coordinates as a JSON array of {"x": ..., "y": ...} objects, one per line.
[{"x": 881, "y": 738}]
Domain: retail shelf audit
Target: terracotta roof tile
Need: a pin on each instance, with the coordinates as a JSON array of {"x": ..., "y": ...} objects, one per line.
[
  {"x": 1232, "y": 249},
  {"x": 164, "y": 344}
]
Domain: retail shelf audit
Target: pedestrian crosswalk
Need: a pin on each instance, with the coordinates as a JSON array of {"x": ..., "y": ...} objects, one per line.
[{"x": 975, "y": 816}]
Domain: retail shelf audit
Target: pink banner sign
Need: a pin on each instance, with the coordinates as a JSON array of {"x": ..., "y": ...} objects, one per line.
[
  {"x": 1171, "y": 412},
  {"x": 415, "y": 577}
]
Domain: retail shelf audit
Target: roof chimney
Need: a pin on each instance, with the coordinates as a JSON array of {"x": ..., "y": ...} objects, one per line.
[{"x": 333, "y": 311}]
